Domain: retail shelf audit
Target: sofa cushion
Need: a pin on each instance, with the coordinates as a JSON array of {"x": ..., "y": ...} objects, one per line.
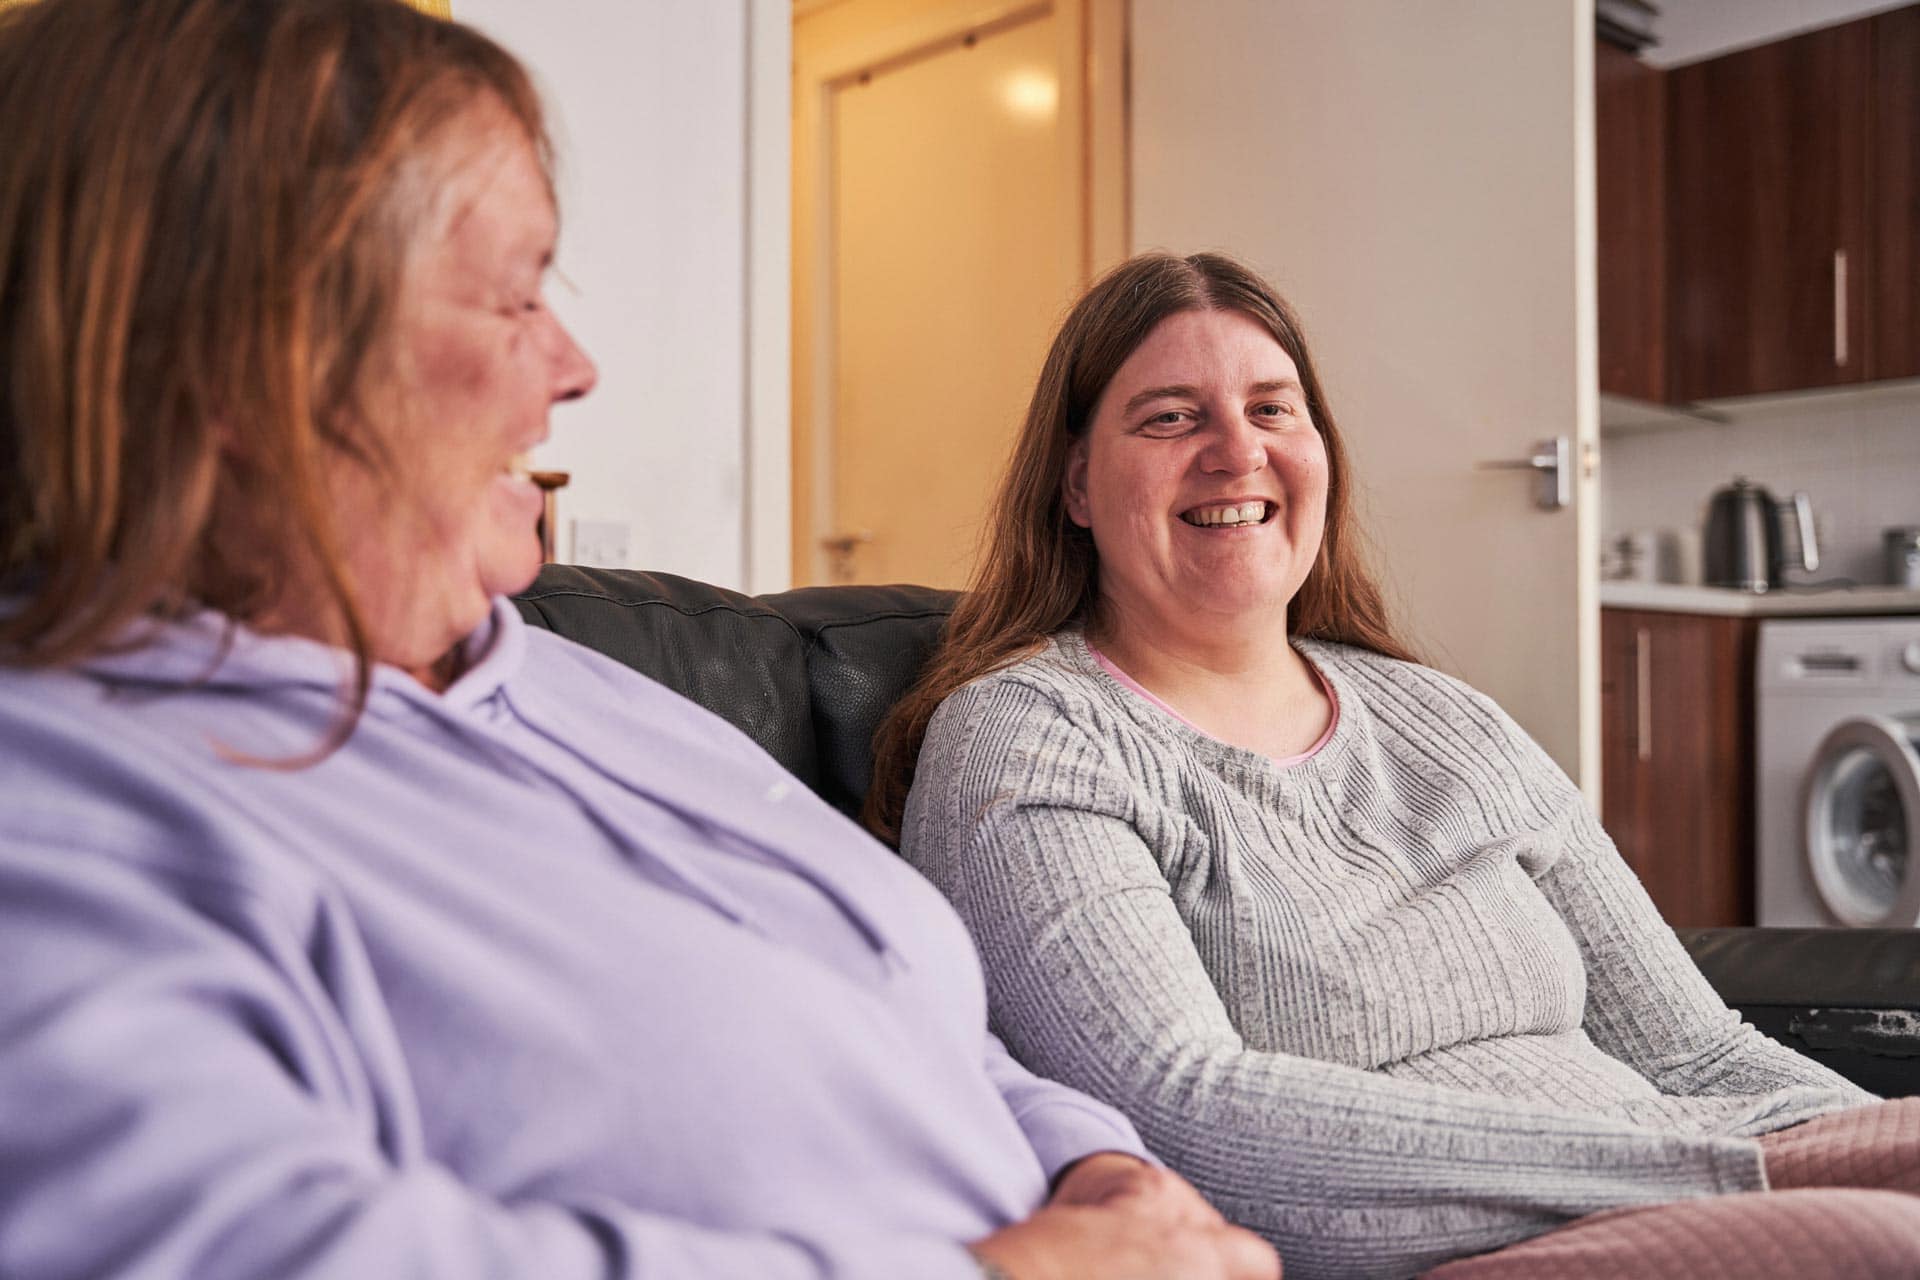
[
  {"x": 866, "y": 646},
  {"x": 807, "y": 674},
  {"x": 726, "y": 651}
]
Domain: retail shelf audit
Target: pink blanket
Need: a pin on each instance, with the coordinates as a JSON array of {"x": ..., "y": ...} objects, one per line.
[{"x": 1845, "y": 1206}]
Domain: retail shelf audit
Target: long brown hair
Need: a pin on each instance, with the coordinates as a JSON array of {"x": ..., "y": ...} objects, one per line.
[
  {"x": 205, "y": 210},
  {"x": 1039, "y": 571}
]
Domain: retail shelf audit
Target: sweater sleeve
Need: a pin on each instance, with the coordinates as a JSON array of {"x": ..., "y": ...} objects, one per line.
[
  {"x": 181, "y": 1102},
  {"x": 1647, "y": 1002},
  {"x": 1018, "y": 814}
]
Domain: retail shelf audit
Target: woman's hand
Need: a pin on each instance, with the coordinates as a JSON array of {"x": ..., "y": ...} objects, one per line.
[
  {"x": 1115, "y": 1178},
  {"x": 1118, "y": 1218}
]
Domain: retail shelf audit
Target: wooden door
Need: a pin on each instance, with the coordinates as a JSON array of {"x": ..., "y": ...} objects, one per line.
[
  {"x": 1677, "y": 759},
  {"x": 948, "y": 209},
  {"x": 1420, "y": 188},
  {"x": 1895, "y": 177},
  {"x": 1767, "y": 170}
]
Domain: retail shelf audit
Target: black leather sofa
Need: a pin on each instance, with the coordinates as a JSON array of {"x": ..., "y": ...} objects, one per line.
[{"x": 808, "y": 674}]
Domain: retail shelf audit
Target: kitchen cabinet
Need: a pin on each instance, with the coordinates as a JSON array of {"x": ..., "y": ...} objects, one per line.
[
  {"x": 1768, "y": 228},
  {"x": 1630, "y": 128},
  {"x": 1792, "y": 213},
  {"x": 1895, "y": 194},
  {"x": 1677, "y": 725}
]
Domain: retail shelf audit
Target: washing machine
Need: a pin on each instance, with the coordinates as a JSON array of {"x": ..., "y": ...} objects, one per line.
[{"x": 1837, "y": 772}]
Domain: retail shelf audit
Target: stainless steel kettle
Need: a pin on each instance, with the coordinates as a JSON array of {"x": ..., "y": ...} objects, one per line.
[{"x": 1747, "y": 536}]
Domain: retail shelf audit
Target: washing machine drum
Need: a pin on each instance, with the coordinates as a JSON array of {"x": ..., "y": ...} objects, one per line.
[{"x": 1862, "y": 812}]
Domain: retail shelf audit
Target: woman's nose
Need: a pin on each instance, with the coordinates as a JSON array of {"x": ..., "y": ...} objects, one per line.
[
  {"x": 1236, "y": 447},
  {"x": 573, "y": 369}
]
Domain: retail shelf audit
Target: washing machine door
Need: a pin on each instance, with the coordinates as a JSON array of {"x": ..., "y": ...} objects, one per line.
[{"x": 1862, "y": 809}]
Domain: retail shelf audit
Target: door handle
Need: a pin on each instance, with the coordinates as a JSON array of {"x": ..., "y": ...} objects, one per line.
[
  {"x": 1551, "y": 462},
  {"x": 1839, "y": 308},
  {"x": 840, "y": 548},
  {"x": 1643, "y": 693}
]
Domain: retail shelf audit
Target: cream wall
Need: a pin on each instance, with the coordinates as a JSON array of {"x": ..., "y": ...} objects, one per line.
[{"x": 670, "y": 119}]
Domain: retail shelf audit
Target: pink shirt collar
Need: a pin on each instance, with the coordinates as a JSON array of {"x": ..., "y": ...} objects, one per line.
[{"x": 1106, "y": 664}]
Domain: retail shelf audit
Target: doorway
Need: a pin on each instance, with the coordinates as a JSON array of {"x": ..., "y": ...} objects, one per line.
[{"x": 959, "y": 178}]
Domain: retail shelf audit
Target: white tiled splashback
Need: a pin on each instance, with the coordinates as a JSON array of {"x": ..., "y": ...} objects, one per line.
[{"x": 1859, "y": 462}]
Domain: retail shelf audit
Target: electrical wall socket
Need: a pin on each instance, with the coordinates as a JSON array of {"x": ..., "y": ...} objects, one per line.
[{"x": 601, "y": 542}]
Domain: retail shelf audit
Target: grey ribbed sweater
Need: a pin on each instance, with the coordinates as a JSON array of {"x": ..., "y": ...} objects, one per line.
[{"x": 1396, "y": 1003}]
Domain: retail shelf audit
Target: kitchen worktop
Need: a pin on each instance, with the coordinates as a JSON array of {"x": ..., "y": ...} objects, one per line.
[{"x": 1788, "y": 602}]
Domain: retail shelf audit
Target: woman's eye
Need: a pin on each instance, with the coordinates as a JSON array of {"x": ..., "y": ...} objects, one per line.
[
  {"x": 1273, "y": 410},
  {"x": 1169, "y": 421}
]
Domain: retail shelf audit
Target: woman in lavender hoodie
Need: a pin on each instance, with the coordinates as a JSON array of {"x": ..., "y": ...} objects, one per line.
[{"x": 347, "y": 928}]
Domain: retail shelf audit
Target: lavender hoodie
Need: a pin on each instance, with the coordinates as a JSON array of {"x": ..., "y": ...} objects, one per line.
[{"x": 554, "y": 975}]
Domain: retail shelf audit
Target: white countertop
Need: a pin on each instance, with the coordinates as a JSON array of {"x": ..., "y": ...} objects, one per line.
[{"x": 1790, "y": 602}]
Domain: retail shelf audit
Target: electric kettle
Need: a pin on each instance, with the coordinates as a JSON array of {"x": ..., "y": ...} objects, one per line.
[{"x": 1747, "y": 536}]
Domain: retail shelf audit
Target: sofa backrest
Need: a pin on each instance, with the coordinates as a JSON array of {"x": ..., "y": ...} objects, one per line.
[{"x": 807, "y": 674}]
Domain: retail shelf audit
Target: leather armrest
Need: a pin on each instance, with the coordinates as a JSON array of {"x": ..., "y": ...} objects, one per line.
[{"x": 1849, "y": 998}]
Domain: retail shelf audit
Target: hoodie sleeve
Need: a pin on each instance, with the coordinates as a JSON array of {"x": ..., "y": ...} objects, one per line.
[
  {"x": 183, "y": 1101},
  {"x": 1062, "y": 1125}
]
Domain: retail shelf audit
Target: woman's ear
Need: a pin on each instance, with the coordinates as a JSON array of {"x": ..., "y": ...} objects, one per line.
[{"x": 1073, "y": 484}]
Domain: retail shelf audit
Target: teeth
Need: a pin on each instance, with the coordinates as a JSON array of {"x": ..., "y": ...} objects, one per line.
[
  {"x": 1244, "y": 513},
  {"x": 518, "y": 468}
]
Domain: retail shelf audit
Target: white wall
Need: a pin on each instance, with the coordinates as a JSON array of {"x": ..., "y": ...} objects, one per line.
[
  {"x": 1690, "y": 30},
  {"x": 1857, "y": 456},
  {"x": 662, "y": 147}
]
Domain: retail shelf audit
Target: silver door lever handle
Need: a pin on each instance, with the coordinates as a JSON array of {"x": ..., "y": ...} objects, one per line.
[
  {"x": 840, "y": 548},
  {"x": 1552, "y": 463}
]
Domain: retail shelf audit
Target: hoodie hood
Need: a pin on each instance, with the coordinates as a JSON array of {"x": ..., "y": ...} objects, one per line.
[
  {"x": 210, "y": 650},
  {"x": 683, "y": 765}
]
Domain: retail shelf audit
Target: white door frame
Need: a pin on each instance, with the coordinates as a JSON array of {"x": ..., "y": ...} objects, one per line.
[
  {"x": 1102, "y": 112},
  {"x": 766, "y": 416}
]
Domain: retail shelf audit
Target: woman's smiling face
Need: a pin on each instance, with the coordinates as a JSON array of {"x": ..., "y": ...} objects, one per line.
[
  {"x": 1202, "y": 479},
  {"x": 478, "y": 363}
]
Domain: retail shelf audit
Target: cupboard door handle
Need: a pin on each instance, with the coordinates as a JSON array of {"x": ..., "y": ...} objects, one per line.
[
  {"x": 1643, "y": 693},
  {"x": 1839, "y": 308}
]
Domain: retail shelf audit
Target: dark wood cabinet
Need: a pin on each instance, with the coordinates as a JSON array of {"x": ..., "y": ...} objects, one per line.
[
  {"x": 1767, "y": 216},
  {"x": 1630, "y": 132},
  {"x": 1759, "y": 215},
  {"x": 1894, "y": 180},
  {"x": 1677, "y": 759}
]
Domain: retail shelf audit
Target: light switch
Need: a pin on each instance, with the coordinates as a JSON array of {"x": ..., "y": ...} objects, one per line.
[{"x": 601, "y": 542}]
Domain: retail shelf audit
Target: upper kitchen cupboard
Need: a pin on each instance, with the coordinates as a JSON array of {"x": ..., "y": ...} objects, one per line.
[
  {"x": 1767, "y": 216},
  {"x": 1894, "y": 208},
  {"x": 1630, "y": 138},
  {"x": 1758, "y": 215}
]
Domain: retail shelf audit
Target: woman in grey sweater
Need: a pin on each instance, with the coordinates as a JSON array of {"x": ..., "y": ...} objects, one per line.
[{"x": 1349, "y": 949}]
